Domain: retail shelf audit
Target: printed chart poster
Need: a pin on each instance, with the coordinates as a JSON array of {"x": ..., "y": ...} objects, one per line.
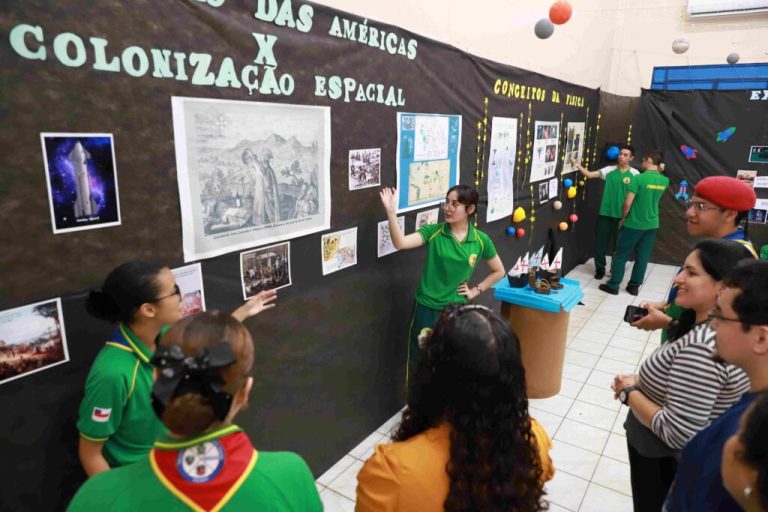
[
  {"x": 758, "y": 154},
  {"x": 364, "y": 168},
  {"x": 81, "y": 177},
  {"x": 190, "y": 281},
  {"x": 428, "y": 148},
  {"x": 250, "y": 173},
  {"x": 267, "y": 268},
  {"x": 761, "y": 181},
  {"x": 501, "y": 168},
  {"x": 747, "y": 177},
  {"x": 545, "y": 145},
  {"x": 32, "y": 338},
  {"x": 384, "y": 240},
  {"x": 426, "y": 217},
  {"x": 339, "y": 250},
  {"x": 574, "y": 145}
]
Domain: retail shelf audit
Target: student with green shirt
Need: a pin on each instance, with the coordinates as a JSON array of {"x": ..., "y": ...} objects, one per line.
[
  {"x": 205, "y": 462},
  {"x": 639, "y": 224},
  {"x": 116, "y": 422},
  {"x": 617, "y": 178},
  {"x": 453, "y": 251}
]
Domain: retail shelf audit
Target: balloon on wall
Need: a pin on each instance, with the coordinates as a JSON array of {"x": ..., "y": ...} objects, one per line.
[
  {"x": 563, "y": 226},
  {"x": 560, "y": 12},
  {"x": 544, "y": 28},
  {"x": 518, "y": 215},
  {"x": 574, "y": 217},
  {"x": 520, "y": 233},
  {"x": 568, "y": 182},
  {"x": 680, "y": 45},
  {"x": 571, "y": 192},
  {"x": 733, "y": 58},
  {"x": 557, "y": 205}
]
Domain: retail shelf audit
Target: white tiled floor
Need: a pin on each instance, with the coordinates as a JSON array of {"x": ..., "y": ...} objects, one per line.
[{"x": 583, "y": 421}]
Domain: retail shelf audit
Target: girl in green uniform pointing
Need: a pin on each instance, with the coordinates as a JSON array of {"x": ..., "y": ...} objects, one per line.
[
  {"x": 453, "y": 250},
  {"x": 116, "y": 422}
]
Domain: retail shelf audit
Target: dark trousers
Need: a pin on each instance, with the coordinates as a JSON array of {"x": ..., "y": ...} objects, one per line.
[
  {"x": 606, "y": 233},
  {"x": 640, "y": 240},
  {"x": 423, "y": 317},
  {"x": 651, "y": 479}
]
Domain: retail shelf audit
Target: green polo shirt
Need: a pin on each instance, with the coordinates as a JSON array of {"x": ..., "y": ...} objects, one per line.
[
  {"x": 615, "y": 191},
  {"x": 648, "y": 188},
  {"x": 449, "y": 263},
  {"x": 271, "y": 482},
  {"x": 117, "y": 406}
]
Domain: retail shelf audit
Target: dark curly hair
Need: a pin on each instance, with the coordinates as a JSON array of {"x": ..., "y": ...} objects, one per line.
[{"x": 471, "y": 377}]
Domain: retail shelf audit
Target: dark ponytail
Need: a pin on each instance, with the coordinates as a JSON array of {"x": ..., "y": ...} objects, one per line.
[{"x": 126, "y": 288}]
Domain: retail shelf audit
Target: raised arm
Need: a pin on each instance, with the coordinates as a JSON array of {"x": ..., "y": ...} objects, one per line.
[
  {"x": 255, "y": 305},
  {"x": 583, "y": 170},
  {"x": 399, "y": 240}
]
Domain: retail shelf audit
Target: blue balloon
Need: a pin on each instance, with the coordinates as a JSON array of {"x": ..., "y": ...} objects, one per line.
[
  {"x": 612, "y": 152},
  {"x": 511, "y": 230},
  {"x": 567, "y": 183}
]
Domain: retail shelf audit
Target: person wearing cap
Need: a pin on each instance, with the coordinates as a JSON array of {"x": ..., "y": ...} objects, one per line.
[
  {"x": 638, "y": 225},
  {"x": 617, "y": 179},
  {"x": 716, "y": 210},
  {"x": 206, "y": 462}
]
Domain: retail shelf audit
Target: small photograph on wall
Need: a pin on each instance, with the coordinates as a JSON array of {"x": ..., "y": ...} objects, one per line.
[
  {"x": 544, "y": 153},
  {"x": 32, "y": 338},
  {"x": 747, "y": 177},
  {"x": 427, "y": 217},
  {"x": 757, "y": 215},
  {"x": 384, "y": 240},
  {"x": 266, "y": 268},
  {"x": 189, "y": 279},
  {"x": 758, "y": 154},
  {"x": 543, "y": 192},
  {"x": 339, "y": 250},
  {"x": 81, "y": 177},
  {"x": 552, "y": 188},
  {"x": 364, "y": 168},
  {"x": 574, "y": 145}
]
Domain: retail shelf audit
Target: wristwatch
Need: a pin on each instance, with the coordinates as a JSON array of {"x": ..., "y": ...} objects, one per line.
[{"x": 624, "y": 394}]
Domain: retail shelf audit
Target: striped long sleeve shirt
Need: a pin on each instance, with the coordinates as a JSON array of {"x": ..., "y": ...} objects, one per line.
[{"x": 690, "y": 387}]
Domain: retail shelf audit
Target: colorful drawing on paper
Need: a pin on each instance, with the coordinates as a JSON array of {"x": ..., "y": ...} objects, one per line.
[
  {"x": 189, "y": 278},
  {"x": 339, "y": 250},
  {"x": 384, "y": 239},
  {"x": 427, "y": 217}
]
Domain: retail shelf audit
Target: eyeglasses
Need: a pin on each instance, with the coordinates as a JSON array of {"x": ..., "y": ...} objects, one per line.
[
  {"x": 700, "y": 207},
  {"x": 176, "y": 291},
  {"x": 717, "y": 315},
  {"x": 452, "y": 206}
]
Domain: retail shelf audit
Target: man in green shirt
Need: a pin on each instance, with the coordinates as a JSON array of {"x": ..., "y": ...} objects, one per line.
[
  {"x": 638, "y": 225},
  {"x": 617, "y": 179}
]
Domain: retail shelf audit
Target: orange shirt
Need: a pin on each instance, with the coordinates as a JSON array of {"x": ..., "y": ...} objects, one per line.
[{"x": 410, "y": 476}]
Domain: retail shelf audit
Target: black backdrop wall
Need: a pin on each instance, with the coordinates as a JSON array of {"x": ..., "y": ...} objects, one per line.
[
  {"x": 668, "y": 120},
  {"x": 330, "y": 357}
]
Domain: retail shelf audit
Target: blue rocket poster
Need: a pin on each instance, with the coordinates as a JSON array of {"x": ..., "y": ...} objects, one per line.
[
  {"x": 82, "y": 180},
  {"x": 427, "y": 158}
]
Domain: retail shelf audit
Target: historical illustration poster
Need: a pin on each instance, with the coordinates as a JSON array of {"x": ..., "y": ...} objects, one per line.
[
  {"x": 426, "y": 217},
  {"x": 250, "y": 173},
  {"x": 81, "y": 177},
  {"x": 574, "y": 145},
  {"x": 747, "y": 177},
  {"x": 544, "y": 157},
  {"x": 189, "y": 279},
  {"x": 501, "y": 168},
  {"x": 364, "y": 168},
  {"x": 266, "y": 268},
  {"x": 384, "y": 239},
  {"x": 428, "y": 147},
  {"x": 32, "y": 338},
  {"x": 339, "y": 250}
]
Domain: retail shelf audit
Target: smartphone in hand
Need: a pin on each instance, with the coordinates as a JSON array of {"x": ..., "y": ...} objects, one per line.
[{"x": 634, "y": 313}]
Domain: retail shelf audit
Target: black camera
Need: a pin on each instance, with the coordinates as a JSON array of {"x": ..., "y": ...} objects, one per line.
[{"x": 634, "y": 313}]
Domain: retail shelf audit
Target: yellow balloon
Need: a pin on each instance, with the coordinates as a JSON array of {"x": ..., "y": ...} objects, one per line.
[
  {"x": 571, "y": 192},
  {"x": 518, "y": 215}
]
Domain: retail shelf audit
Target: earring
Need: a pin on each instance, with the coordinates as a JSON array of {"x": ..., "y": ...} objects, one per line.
[{"x": 747, "y": 491}]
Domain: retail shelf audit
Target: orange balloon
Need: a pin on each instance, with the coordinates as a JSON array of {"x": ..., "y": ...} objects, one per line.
[
  {"x": 560, "y": 12},
  {"x": 563, "y": 226}
]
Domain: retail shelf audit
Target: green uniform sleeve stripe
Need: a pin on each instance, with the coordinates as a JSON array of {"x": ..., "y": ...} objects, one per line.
[
  {"x": 94, "y": 439},
  {"x": 133, "y": 380},
  {"x": 117, "y": 345}
]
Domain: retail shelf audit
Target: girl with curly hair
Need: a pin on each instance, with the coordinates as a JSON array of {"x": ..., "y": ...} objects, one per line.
[{"x": 466, "y": 441}]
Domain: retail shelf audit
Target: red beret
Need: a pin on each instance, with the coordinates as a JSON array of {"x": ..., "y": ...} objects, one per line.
[{"x": 726, "y": 192}]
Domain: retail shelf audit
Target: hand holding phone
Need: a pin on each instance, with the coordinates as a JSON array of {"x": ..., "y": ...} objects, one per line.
[{"x": 634, "y": 313}]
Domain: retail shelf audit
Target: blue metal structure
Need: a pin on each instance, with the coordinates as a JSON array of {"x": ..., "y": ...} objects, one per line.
[{"x": 713, "y": 76}]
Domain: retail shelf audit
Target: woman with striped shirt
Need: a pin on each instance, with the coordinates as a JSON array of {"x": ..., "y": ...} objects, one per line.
[{"x": 681, "y": 387}]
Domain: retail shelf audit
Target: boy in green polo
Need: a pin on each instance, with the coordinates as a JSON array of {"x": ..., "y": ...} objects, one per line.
[
  {"x": 617, "y": 179},
  {"x": 639, "y": 224}
]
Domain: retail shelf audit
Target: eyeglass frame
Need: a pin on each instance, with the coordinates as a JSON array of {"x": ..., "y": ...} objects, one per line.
[
  {"x": 714, "y": 315},
  {"x": 453, "y": 206},
  {"x": 700, "y": 207},
  {"x": 176, "y": 291}
]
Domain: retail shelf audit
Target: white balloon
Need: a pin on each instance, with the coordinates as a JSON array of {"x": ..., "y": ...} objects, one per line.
[
  {"x": 544, "y": 28},
  {"x": 557, "y": 205},
  {"x": 680, "y": 45},
  {"x": 733, "y": 58}
]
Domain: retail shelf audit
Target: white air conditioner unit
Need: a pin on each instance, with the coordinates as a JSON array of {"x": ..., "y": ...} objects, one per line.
[{"x": 702, "y": 8}]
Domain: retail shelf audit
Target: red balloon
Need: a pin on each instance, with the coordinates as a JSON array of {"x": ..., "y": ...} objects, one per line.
[
  {"x": 560, "y": 12},
  {"x": 574, "y": 217},
  {"x": 520, "y": 233}
]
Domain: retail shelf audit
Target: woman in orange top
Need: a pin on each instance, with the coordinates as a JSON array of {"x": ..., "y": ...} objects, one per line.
[{"x": 466, "y": 441}]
